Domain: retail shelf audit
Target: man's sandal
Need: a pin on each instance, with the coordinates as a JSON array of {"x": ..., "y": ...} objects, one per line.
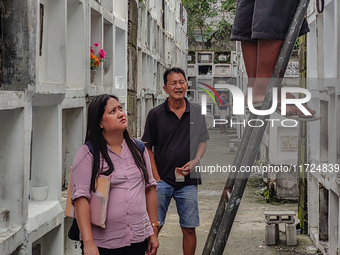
[
  {"x": 258, "y": 106},
  {"x": 300, "y": 118}
]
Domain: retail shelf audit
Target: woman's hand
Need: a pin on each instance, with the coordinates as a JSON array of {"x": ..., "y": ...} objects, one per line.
[
  {"x": 90, "y": 248},
  {"x": 82, "y": 207},
  {"x": 151, "y": 206},
  {"x": 153, "y": 245}
]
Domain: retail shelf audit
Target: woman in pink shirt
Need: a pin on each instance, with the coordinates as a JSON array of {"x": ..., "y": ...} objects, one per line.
[{"x": 132, "y": 206}]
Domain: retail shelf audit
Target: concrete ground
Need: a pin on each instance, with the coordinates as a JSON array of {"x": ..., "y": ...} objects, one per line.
[{"x": 248, "y": 232}]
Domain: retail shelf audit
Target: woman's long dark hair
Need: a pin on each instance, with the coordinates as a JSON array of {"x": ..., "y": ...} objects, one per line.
[{"x": 95, "y": 136}]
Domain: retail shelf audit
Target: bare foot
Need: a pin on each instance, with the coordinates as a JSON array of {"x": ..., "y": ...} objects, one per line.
[
  {"x": 290, "y": 109},
  {"x": 294, "y": 110},
  {"x": 256, "y": 99}
]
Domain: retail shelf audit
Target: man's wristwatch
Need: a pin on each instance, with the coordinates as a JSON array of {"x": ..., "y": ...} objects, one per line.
[{"x": 158, "y": 224}]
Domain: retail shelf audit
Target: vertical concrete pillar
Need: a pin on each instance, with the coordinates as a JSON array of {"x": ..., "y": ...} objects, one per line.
[
  {"x": 313, "y": 202},
  {"x": 1, "y": 18},
  {"x": 323, "y": 214},
  {"x": 272, "y": 234},
  {"x": 333, "y": 223},
  {"x": 302, "y": 155},
  {"x": 132, "y": 67},
  {"x": 291, "y": 234},
  {"x": 18, "y": 70}
]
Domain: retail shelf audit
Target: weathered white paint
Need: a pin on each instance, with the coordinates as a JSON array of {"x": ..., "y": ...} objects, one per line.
[
  {"x": 50, "y": 65},
  {"x": 333, "y": 222},
  {"x": 158, "y": 49},
  {"x": 52, "y": 242},
  {"x": 120, "y": 62},
  {"x": 72, "y": 137},
  {"x": 11, "y": 238},
  {"x": 12, "y": 165},
  {"x": 43, "y": 127},
  {"x": 76, "y": 46},
  {"x": 323, "y": 62},
  {"x": 277, "y": 132},
  {"x": 12, "y": 99}
]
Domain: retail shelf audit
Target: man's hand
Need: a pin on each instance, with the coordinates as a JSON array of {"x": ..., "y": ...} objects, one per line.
[
  {"x": 188, "y": 167},
  {"x": 184, "y": 170}
]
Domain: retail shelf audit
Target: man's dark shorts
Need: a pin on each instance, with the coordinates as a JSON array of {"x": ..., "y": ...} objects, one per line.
[{"x": 264, "y": 19}]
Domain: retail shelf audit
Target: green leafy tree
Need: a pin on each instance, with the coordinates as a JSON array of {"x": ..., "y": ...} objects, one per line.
[
  {"x": 203, "y": 19},
  {"x": 229, "y": 6},
  {"x": 198, "y": 12}
]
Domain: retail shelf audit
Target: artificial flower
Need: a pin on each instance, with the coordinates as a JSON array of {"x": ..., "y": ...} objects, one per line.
[
  {"x": 96, "y": 59},
  {"x": 102, "y": 54}
]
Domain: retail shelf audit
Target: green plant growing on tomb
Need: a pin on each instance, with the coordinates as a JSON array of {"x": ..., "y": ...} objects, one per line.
[
  {"x": 266, "y": 195},
  {"x": 261, "y": 162},
  {"x": 297, "y": 44},
  {"x": 222, "y": 61}
]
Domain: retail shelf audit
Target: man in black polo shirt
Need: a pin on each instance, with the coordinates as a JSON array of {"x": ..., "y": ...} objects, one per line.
[{"x": 178, "y": 132}]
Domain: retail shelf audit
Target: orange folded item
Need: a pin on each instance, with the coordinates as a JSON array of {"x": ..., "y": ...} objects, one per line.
[{"x": 98, "y": 202}]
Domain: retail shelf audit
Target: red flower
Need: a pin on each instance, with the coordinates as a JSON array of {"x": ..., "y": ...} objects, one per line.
[
  {"x": 102, "y": 54},
  {"x": 96, "y": 59}
]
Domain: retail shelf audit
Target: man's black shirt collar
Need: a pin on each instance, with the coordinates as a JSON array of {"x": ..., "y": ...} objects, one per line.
[{"x": 167, "y": 108}]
